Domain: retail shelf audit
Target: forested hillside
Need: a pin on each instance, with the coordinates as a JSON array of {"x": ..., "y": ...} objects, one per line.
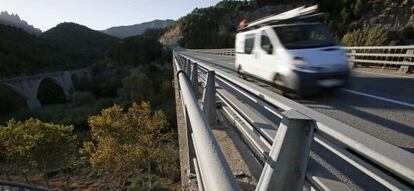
[
  {"x": 80, "y": 38},
  {"x": 216, "y": 26},
  {"x": 22, "y": 53},
  {"x": 137, "y": 29},
  {"x": 65, "y": 46}
]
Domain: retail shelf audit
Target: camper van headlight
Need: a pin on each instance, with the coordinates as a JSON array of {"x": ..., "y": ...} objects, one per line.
[
  {"x": 299, "y": 61},
  {"x": 302, "y": 65}
]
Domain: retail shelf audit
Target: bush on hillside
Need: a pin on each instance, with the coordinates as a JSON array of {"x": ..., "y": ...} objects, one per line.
[
  {"x": 130, "y": 143},
  {"x": 83, "y": 98},
  {"x": 408, "y": 32},
  {"x": 373, "y": 37},
  {"x": 136, "y": 87},
  {"x": 33, "y": 144}
]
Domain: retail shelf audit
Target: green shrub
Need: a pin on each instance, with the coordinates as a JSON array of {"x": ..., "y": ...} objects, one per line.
[
  {"x": 35, "y": 144},
  {"x": 146, "y": 182},
  {"x": 127, "y": 142},
  {"x": 65, "y": 114},
  {"x": 100, "y": 85},
  {"x": 83, "y": 98},
  {"x": 408, "y": 32},
  {"x": 373, "y": 37},
  {"x": 136, "y": 87},
  {"x": 168, "y": 162},
  {"x": 104, "y": 103}
]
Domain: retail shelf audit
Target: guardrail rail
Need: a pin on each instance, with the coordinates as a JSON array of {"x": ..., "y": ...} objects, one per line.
[
  {"x": 401, "y": 57},
  {"x": 397, "y": 57}
]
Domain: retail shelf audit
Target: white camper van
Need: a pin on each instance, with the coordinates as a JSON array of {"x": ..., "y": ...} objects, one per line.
[{"x": 298, "y": 55}]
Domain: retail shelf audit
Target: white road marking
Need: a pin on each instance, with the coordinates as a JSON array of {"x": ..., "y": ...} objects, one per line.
[
  {"x": 380, "y": 98},
  {"x": 382, "y": 74}
]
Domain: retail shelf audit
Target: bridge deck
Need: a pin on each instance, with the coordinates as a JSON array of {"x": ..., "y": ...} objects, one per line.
[{"x": 391, "y": 119}]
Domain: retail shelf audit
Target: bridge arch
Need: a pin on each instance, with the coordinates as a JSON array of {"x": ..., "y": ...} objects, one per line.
[
  {"x": 16, "y": 89},
  {"x": 62, "y": 82},
  {"x": 51, "y": 90},
  {"x": 28, "y": 86}
]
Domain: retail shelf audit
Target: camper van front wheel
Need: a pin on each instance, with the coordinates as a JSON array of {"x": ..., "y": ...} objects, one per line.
[{"x": 278, "y": 80}]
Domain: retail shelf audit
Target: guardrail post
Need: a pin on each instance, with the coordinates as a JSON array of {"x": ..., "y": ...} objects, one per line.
[
  {"x": 191, "y": 152},
  {"x": 288, "y": 158},
  {"x": 182, "y": 62},
  {"x": 407, "y": 68},
  {"x": 209, "y": 98},
  {"x": 188, "y": 67},
  {"x": 353, "y": 63},
  {"x": 194, "y": 78}
]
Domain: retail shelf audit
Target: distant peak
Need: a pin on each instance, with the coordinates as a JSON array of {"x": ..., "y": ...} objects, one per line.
[
  {"x": 137, "y": 29},
  {"x": 14, "y": 20}
]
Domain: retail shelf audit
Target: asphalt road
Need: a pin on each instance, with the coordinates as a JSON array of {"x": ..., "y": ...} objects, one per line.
[{"x": 381, "y": 105}]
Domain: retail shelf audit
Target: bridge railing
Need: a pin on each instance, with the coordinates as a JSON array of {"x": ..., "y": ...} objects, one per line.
[
  {"x": 390, "y": 166},
  {"x": 221, "y": 52},
  {"x": 392, "y": 56},
  {"x": 206, "y": 159},
  {"x": 401, "y": 57}
]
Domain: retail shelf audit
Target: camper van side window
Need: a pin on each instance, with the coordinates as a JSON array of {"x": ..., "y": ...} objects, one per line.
[
  {"x": 249, "y": 43},
  {"x": 265, "y": 43}
]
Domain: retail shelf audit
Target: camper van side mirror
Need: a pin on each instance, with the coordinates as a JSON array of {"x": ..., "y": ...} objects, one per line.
[{"x": 268, "y": 48}]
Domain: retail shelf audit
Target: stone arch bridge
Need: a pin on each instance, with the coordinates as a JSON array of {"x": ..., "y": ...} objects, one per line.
[{"x": 28, "y": 86}]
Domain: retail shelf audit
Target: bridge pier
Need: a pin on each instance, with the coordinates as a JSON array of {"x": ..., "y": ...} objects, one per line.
[
  {"x": 33, "y": 104},
  {"x": 67, "y": 85}
]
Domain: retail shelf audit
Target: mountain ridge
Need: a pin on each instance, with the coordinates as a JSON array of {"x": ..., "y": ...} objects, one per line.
[
  {"x": 15, "y": 21},
  {"x": 137, "y": 29},
  {"x": 65, "y": 46},
  {"x": 80, "y": 38}
]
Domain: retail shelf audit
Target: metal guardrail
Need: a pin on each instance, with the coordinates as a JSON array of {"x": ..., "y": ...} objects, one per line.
[
  {"x": 401, "y": 57},
  {"x": 221, "y": 52},
  {"x": 384, "y": 163},
  {"x": 206, "y": 158}
]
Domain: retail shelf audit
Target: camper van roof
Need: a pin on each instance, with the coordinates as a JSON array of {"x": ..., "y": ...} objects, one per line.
[
  {"x": 281, "y": 25},
  {"x": 295, "y": 15},
  {"x": 294, "y": 24}
]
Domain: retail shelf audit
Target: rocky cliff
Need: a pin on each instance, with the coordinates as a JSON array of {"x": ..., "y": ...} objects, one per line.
[
  {"x": 15, "y": 21},
  {"x": 343, "y": 17},
  {"x": 393, "y": 16}
]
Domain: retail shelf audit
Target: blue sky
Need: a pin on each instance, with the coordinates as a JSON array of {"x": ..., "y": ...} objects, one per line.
[{"x": 99, "y": 14}]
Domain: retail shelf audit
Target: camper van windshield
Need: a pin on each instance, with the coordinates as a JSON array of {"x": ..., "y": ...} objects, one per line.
[{"x": 304, "y": 36}]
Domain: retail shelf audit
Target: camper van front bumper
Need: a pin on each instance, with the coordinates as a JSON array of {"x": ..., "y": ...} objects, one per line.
[{"x": 312, "y": 82}]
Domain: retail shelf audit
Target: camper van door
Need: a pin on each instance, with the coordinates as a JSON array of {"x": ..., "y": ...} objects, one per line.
[
  {"x": 246, "y": 58},
  {"x": 267, "y": 59}
]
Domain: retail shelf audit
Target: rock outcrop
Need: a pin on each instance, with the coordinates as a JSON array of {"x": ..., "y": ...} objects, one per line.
[{"x": 15, "y": 21}]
